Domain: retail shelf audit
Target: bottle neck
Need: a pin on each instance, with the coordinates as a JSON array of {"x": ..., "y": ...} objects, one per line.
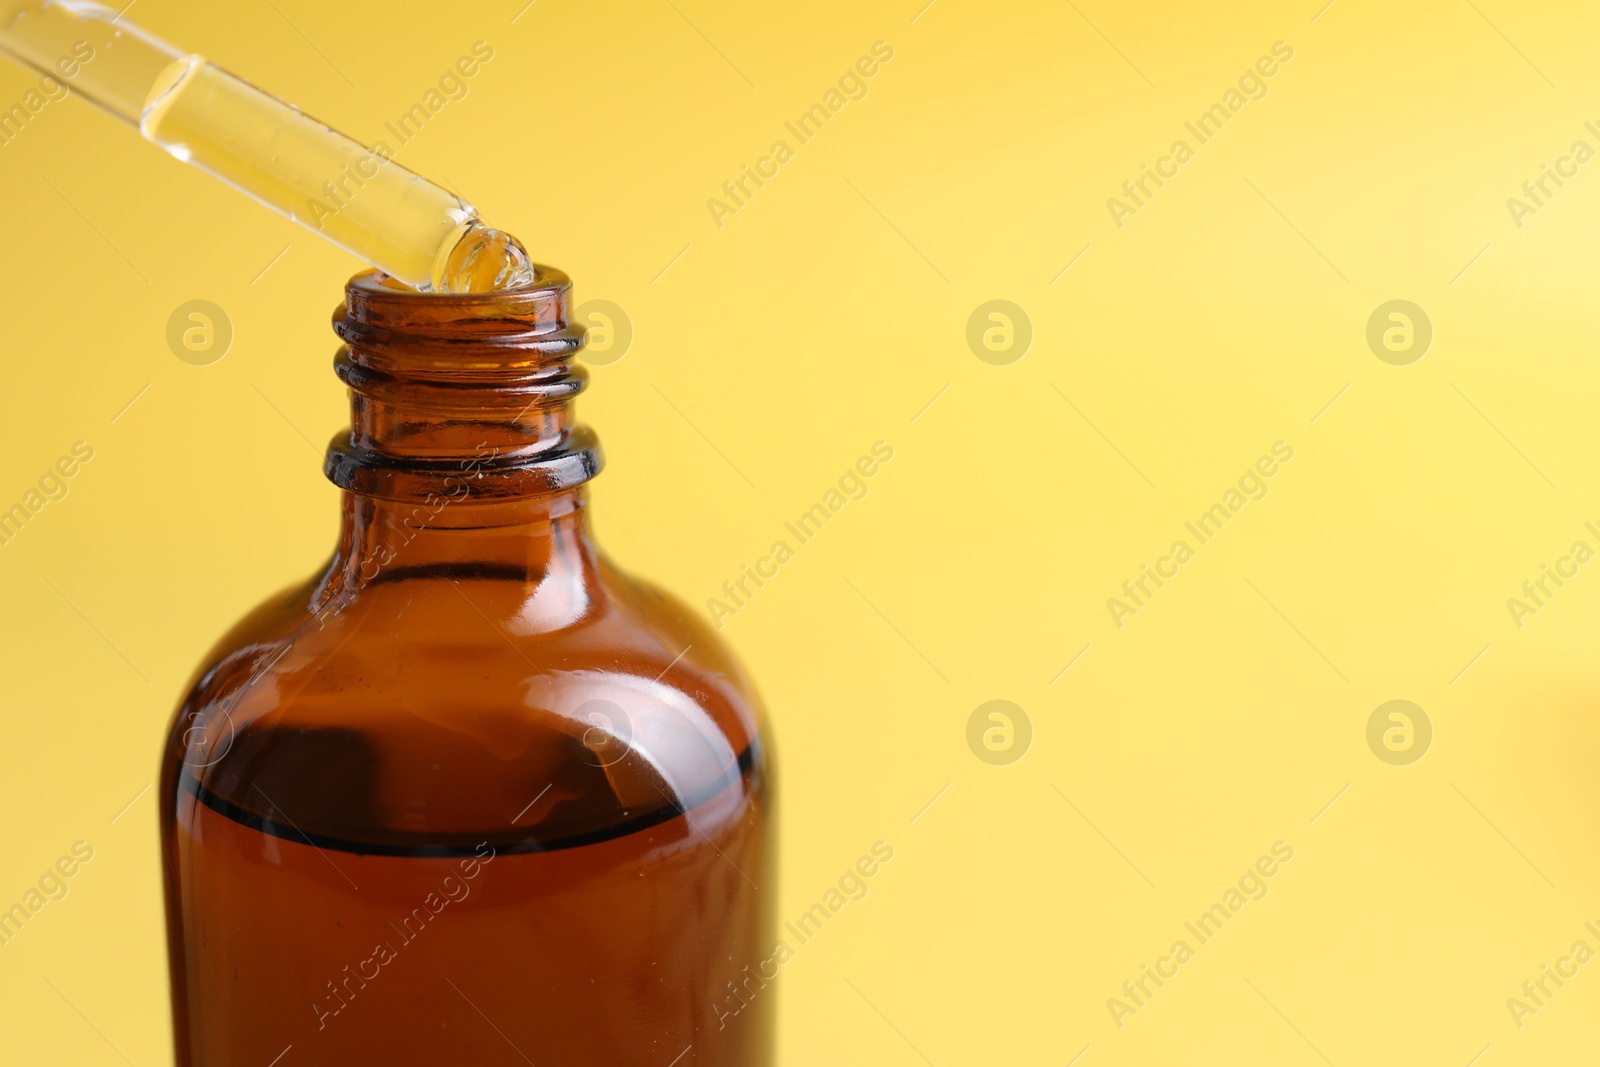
[
  {"x": 532, "y": 540},
  {"x": 463, "y": 460}
]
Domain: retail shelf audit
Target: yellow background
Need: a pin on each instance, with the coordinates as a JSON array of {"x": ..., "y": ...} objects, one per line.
[{"x": 824, "y": 316}]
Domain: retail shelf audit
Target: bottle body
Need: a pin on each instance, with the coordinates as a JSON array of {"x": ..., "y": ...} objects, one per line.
[{"x": 472, "y": 794}]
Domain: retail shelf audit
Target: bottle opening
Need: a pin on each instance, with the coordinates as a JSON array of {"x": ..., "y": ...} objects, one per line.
[{"x": 467, "y": 394}]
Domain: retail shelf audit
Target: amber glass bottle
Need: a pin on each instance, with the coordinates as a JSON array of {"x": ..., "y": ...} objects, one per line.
[{"x": 471, "y": 795}]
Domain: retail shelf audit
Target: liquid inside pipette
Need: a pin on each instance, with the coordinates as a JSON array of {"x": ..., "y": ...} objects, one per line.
[{"x": 354, "y": 196}]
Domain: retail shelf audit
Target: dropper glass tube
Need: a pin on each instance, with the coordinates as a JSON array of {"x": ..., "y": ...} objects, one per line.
[{"x": 357, "y": 197}]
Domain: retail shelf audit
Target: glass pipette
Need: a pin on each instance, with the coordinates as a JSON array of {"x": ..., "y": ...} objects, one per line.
[{"x": 355, "y": 196}]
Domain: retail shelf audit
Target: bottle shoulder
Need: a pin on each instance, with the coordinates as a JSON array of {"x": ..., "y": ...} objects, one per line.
[{"x": 436, "y": 709}]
